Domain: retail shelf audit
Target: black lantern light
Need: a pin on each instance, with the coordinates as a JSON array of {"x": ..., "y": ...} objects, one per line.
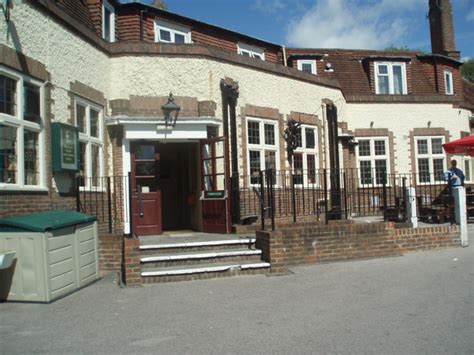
[{"x": 170, "y": 111}]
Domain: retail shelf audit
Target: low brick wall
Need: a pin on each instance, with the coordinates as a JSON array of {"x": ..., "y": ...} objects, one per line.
[
  {"x": 296, "y": 245},
  {"x": 131, "y": 250},
  {"x": 110, "y": 250}
]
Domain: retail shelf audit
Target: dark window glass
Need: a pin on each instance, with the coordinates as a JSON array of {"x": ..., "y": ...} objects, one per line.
[
  {"x": 380, "y": 171},
  {"x": 165, "y": 36},
  {"x": 107, "y": 23},
  {"x": 365, "y": 172},
  {"x": 299, "y": 140},
  {"x": 253, "y": 132},
  {"x": 379, "y": 147},
  {"x": 308, "y": 68},
  {"x": 364, "y": 148},
  {"x": 422, "y": 145},
  {"x": 94, "y": 121},
  {"x": 311, "y": 164},
  {"x": 438, "y": 169},
  {"x": 32, "y": 103},
  {"x": 310, "y": 141},
  {"x": 298, "y": 168},
  {"x": 255, "y": 166},
  {"x": 31, "y": 157},
  {"x": 269, "y": 130},
  {"x": 81, "y": 118},
  {"x": 8, "y": 155},
  {"x": 424, "y": 169},
  {"x": 179, "y": 38},
  {"x": 7, "y": 95},
  {"x": 436, "y": 146}
]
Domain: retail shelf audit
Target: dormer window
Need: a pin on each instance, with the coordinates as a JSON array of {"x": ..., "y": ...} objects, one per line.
[
  {"x": 168, "y": 32},
  {"x": 108, "y": 21},
  {"x": 390, "y": 78},
  {"x": 250, "y": 51},
  {"x": 308, "y": 66},
  {"x": 448, "y": 81}
]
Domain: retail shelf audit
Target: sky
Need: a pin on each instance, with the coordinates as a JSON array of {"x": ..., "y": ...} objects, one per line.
[{"x": 359, "y": 24}]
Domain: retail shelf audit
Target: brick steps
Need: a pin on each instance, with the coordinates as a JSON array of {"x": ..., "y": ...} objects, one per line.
[
  {"x": 205, "y": 257},
  {"x": 198, "y": 246},
  {"x": 201, "y": 259}
]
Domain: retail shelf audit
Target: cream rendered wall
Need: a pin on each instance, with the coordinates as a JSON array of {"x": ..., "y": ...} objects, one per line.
[
  {"x": 402, "y": 118},
  {"x": 66, "y": 56},
  {"x": 196, "y": 77}
]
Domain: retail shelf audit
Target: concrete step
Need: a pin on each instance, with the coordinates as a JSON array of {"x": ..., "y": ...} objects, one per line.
[
  {"x": 185, "y": 273},
  {"x": 195, "y": 246},
  {"x": 201, "y": 257}
]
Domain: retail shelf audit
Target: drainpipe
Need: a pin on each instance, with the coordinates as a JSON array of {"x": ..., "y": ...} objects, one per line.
[
  {"x": 284, "y": 56},
  {"x": 436, "y": 75},
  {"x": 142, "y": 12}
]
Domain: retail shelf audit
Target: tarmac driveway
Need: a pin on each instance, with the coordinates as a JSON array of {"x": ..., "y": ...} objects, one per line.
[{"x": 419, "y": 303}]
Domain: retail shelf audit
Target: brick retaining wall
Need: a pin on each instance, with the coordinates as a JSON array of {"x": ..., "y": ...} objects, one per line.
[
  {"x": 110, "y": 250},
  {"x": 326, "y": 243}
]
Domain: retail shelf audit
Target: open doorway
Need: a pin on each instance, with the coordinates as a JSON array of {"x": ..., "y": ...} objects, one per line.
[{"x": 180, "y": 186}]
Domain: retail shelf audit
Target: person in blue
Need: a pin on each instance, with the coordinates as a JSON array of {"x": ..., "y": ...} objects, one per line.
[{"x": 455, "y": 176}]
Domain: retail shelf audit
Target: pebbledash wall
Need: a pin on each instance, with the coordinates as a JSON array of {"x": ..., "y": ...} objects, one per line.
[
  {"x": 200, "y": 78},
  {"x": 74, "y": 67},
  {"x": 401, "y": 119}
]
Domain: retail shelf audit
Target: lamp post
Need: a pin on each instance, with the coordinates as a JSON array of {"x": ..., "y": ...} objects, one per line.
[{"x": 171, "y": 112}]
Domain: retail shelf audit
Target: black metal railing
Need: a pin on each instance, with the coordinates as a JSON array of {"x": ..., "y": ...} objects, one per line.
[
  {"x": 329, "y": 194},
  {"x": 104, "y": 197}
]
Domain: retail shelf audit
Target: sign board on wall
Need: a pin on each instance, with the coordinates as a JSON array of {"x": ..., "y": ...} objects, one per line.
[{"x": 65, "y": 147}]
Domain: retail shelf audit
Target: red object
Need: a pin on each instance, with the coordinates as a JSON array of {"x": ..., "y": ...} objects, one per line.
[{"x": 461, "y": 146}]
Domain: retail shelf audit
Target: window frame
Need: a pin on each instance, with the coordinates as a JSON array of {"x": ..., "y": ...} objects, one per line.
[
  {"x": 111, "y": 9},
  {"x": 252, "y": 51},
  {"x": 430, "y": 156},
  {"x": 86, "y": 138},
  {"x": 18, "y": 122},
  {"x": 174, "y": 29},
  {"x": 467, "y": 170},
  {"x": 448, "y": 79},
  {"x": 391, "y": 87},
  {"x": 262, "y": 147},
  {"x": 305, "y": 151},
  {"x": 372, "y": 158},
  {"x": 312, "y": 62}
]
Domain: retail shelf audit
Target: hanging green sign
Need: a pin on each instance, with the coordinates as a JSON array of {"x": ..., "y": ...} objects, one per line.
[{"x": 65, "y": 147}]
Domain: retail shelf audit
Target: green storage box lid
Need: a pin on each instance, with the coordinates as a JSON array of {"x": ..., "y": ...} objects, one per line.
[{"x": 43, "y": 221}]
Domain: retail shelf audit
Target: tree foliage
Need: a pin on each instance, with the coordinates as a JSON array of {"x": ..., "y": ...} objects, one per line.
[
  {"x": 160, "y": 4},
  {"x": 467, "y": 70}
]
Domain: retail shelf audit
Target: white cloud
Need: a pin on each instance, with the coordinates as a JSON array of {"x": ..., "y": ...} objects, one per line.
[
  {"x": 269, "y": 6},
  {"x": 470, "y": 15},
  {"x": 352, "y": 24}
]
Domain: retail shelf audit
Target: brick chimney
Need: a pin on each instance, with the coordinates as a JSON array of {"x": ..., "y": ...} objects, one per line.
[{"x": 442, "y": 29}]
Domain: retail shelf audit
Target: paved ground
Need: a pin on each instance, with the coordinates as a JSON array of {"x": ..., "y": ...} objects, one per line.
[{"x": 420, "y": 303}]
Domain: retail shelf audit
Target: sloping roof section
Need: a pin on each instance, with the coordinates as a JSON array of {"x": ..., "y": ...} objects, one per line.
[
  {"x": 354, "y": 70},
  {"x": 78, "y": 9}
]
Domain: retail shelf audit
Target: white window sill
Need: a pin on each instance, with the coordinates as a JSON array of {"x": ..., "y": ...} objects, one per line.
[{"x": 4, "y": 187}]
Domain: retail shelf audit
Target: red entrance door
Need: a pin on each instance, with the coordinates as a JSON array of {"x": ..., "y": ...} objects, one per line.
[
  {"x": 215, "y": 185},
  {"x": 146, "y": 193}
]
